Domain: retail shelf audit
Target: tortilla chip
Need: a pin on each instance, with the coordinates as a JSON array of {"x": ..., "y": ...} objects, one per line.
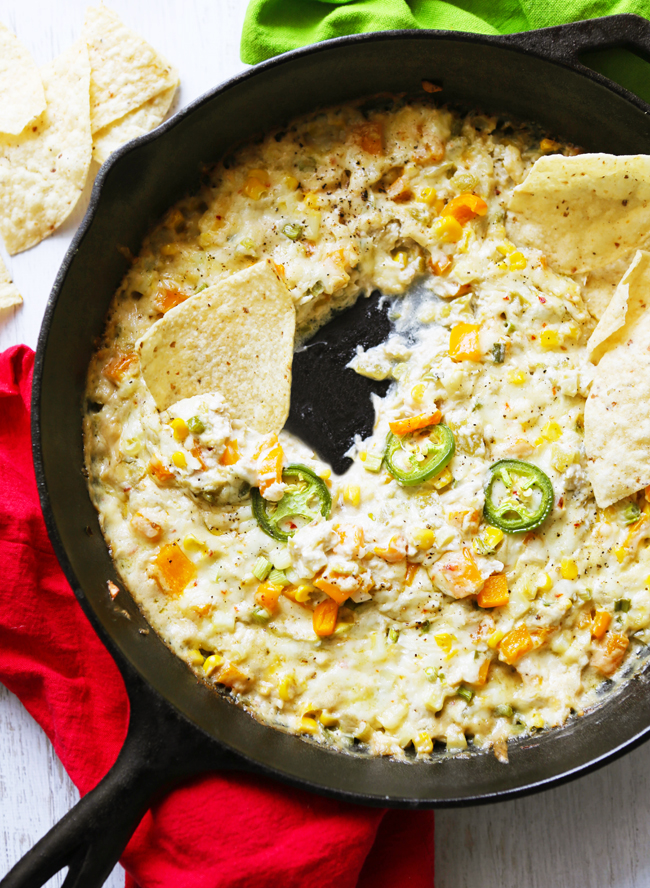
[
  {"x": 583, "y": 212},
  {"x": 21, "y": 91},
  {"x": 43, "y": 170},
  {"x": 126, "y": 70},
  {"x": 135, "y": 123},
  {"x": 235, "y": 338},
  {"x": 617, "y": 419},
  {"x": 9, "y": 295},
  {"x": 617, "y": 425},
  {"x": 599, "y": 285},
  {"x": 626, "y": 319}
]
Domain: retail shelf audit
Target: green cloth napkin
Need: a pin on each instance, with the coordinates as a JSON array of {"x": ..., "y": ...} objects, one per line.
[{"x": 275, "y": 26}]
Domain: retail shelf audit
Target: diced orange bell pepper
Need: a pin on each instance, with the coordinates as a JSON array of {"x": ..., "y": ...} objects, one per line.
[
  {"x": 159, "y": 471},
  {"x": 483, "y": 672},
  {"x": 197, "y": 453},
  {"x": 174, "y": 568},
  {"x": 465, "y": 207},
  {"x": 515, "y": 644},
  {"x": 269, "y": 457},
  {"x": 267, "y": 596},
  {"x": 494, "y": 592},
  {"x": 600, "y": 623},
  {"x": 394, "y": 551},
  {"x": 328, "y": 584},
  {"x": 611, "y": 654},
  {"x": 464, "y": 343},
  {"x": 369, "y": 137},
  {"x": 230, "y": 453},
  {"x": 413, "y": 423},
  {"x": 442, "y": 266},
  {"x": 166, "y": 299},
  {"x": 411, "y": 570},
  {"x": 232, "y": 677},
  {"x": 324, "y": 618},
  {"x": 118, "y": 367}
]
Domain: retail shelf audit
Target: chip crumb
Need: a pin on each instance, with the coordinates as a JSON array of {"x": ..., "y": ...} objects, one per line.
[{"x": 9, "y": 295}]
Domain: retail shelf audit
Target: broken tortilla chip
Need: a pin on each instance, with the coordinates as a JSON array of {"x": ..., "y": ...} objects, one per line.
[
  {"x": 136, "y": 123},
  {"x": 235, "y": 338},
  {"x": 43, "y": 170},
  {"x": 126, "y": 70},
  {"x": 617, "y": 419},
  {"x": 626, "y": 318},
  {"x": 21, "y": 91},
  {"x": 9, "y": 295},
  {"x": 582, "y": 212}
]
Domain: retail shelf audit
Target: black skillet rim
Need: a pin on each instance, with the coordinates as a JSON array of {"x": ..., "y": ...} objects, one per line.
[{"x": 524, "y": 43}]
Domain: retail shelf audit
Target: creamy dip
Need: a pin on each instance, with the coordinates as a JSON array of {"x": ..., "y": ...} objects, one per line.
[{"x": 407, "y": 199}]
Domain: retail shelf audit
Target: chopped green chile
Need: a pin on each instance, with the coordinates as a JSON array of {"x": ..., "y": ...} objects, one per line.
[
  {"x": 503, "y": 710},
  {"x": 195, "y": 425},
  {"x": 466, "y": 693},
  {"x": 528, "y": 497},
  {"x": 292, "y": 231},
  {"x": 306, "y": 498},
  {"x": 498, "y": 352},
  {"x": 425, "y": 452},
  {"x": 631, "y": 513},
  {"x": 623, "y": 604}
]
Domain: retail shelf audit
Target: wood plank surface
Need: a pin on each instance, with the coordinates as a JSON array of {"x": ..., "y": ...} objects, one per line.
[{"x": 589, "y": 834}]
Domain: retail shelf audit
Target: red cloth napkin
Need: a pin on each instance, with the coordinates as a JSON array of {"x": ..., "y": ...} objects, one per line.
[{"x": 217, "y": 831}]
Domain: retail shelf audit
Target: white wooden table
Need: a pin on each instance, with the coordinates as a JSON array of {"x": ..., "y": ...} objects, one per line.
[{"x": 592, "y": 833}]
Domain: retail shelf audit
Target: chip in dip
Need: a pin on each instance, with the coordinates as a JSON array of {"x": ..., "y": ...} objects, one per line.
[
  {"x": 9, "y": 295},
  {"x": 236, "y": 338},
  {"x": 460, "y": 584},
  {"x": 583, "y": 212}
]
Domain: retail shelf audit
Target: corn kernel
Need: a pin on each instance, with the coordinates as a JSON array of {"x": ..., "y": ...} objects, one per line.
[
  {"x": 181, "y": 431},
  {"x": 552, "y": 431},
  {"x": 424, "y": 538},
  {"x": 212, "y": 663},
  {"x": 549, "y": 339},
  {"x": 444, "y": 640},
  {"x": 308, "y": 725},
  {"x": 548, "y": 146},
  {"x": 535, "y": 720},
  {"x": 568, "y": 569},
  {"x": 620, "y": 552},
  {"x": 402, "y": 258},
  {"x": 179, "y": 459},
  {"x": 195, "y": 657},
  {"x": 313, "y": 201},
  {"x": 423, "y": 743},
  {"x": 487, "y": 540},
  {"x": 428, "y": 196},
  {"x": 561, "y": 459},
  {"x": 544, "y": 582},
  {"x": 291, "y": 182},
  {"x": 325, "y": 474},
  {"x": 287, "y": 688},
  {"x": 417, "y": 392},
  {"x": 327, "y": 720},
  {"x": 255, "y": 186},
  {"x": 506, "y": 248},
  {"x": 495, "y": 638},
  {"x": 301, "y": 593},
  {"x": 517, "y": 377},
  {"x": 352, "y": 495},
  {"x": 443, "y": 479},
  {"x": 194, "y": 546},
  {"x": 517, "y": 261},
  {"x": 447, "y": 229},
  {"x": 572, "y": 332}
]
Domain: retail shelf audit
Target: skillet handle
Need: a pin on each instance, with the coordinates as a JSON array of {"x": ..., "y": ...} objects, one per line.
[
  {"x": 566, "y": 43},
  {"x": 160, "y": 749}
]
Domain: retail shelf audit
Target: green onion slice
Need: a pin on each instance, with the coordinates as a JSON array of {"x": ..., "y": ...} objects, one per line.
[
  {"x": 518, "y": 496},
  {"x": 412, "y": 459},
  {"x": 305, "y": 499}
]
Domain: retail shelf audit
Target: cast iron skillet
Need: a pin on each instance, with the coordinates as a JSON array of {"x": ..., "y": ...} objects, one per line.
[{"x": 178, "y": 726}]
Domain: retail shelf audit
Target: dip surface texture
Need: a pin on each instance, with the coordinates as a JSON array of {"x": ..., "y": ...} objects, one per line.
[{"x": 387, "y": 611}]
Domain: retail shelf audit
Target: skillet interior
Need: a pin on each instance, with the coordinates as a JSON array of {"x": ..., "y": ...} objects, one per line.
[{"x": 131, "y": 193}]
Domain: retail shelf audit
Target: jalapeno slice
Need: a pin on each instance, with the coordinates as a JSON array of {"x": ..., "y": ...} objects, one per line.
[
  {"x": 306, "y": 497},
  {"x": 412, "y": 459},
  {"x": 523, "y": 497}
]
